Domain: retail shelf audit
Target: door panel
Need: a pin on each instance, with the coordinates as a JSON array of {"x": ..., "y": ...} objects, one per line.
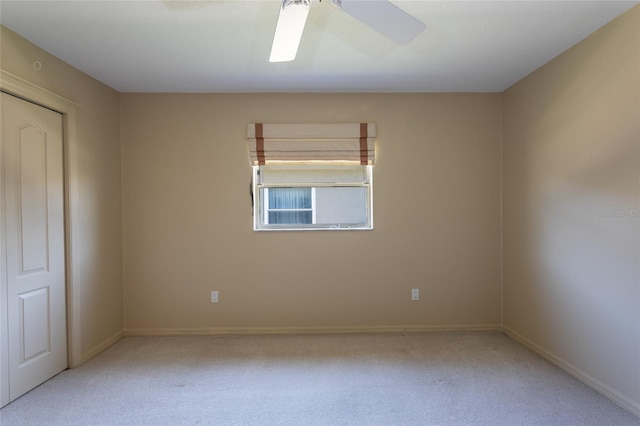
[
  {"x": 34, "y": 243},
  {"x": 32, "y": 207},
  {"x": 33, "y": 308}
]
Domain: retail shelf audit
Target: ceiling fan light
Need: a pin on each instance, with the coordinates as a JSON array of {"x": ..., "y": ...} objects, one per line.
[{"x": 291, "y": 20}]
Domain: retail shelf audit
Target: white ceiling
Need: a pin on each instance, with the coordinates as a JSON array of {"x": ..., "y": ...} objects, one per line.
[{"x": 224, "y": 45}]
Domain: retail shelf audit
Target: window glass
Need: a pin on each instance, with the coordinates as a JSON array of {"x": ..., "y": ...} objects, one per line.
[
  {"x": 317, "y": 196},
  {"x": 288, "y": 206}
]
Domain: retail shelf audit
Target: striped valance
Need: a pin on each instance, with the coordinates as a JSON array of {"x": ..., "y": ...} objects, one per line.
[{"x": 350, "y": 142}]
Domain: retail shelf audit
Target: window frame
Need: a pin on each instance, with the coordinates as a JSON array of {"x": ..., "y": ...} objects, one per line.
[{"x": 260, "y": 212}]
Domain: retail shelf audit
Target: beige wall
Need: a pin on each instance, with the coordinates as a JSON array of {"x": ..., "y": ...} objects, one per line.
[
  {"x": 99, "y": 248},
  {"x": 572, "y": 206},
  {"x": 188, "y": 226}
]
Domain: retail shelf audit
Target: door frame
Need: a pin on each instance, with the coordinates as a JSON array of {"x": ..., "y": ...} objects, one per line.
[{"x": 28, "y": 91}]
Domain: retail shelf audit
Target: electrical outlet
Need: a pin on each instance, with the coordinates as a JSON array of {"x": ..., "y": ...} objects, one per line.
[
  {"x": 415, "y": 294},
  {"x": 214, "y": 296}
]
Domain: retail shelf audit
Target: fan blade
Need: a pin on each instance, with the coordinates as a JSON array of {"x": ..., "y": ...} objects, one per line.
[
  {"x": 291, "y": 20},
  {"x": 384, "y": 17}
]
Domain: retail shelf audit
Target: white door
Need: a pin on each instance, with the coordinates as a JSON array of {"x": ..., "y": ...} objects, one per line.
[{"x": 33, "y": 245}]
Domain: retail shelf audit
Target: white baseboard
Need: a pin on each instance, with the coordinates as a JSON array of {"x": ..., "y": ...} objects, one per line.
[
  {"x": 86, "y": 356},
  {"x": 569, "y": 368},
  {"x": 216, "y": 331}
]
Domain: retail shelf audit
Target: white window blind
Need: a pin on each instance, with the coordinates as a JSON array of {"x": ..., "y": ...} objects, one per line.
[{"x": 347, "y": 142}]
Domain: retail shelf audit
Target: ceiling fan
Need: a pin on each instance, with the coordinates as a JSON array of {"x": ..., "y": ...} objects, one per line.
[{"x": 381, "y": 15}]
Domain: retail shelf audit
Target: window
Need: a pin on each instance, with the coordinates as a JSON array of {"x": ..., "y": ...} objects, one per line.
[
  {"x": 312, "y": 176},
  {"x": 324, "y": 196},
  {"x": 289, "y": 206}
]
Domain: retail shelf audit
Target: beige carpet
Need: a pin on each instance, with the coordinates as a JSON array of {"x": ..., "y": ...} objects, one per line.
[{"x": 411, "y": 379}]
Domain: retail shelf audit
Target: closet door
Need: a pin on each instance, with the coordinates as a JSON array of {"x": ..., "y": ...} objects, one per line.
[{"x": 34, "y": 246}]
